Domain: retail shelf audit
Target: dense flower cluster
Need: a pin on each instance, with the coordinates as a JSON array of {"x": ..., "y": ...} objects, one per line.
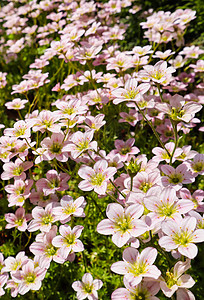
[{"x": 52, "y": 145}]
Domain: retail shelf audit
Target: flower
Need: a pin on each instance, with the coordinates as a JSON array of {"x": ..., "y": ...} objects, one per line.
[
  {"x": 177, "y": 177},
  {"x": 29, "y": 278},
  {"x": 87, "y": 288},
  {"x": 144, "y": 290},
  {"x": 81, "y": 142},
  {"x": 131, "y": 92},
  {"x": 43, "y": 218},
  {"x": 19, "y": 219},
  {"x": 137, "y": 265},
  {"x": 16, "y": 104},
  {"x": 96, "y": 179},
  {"x": 68, "y": 240},
  {"x": 122, "y": 223},
  {"x": 175, "y": 279},
  {"x": 182, "y": 236},
  {"x": 69, "y": 207}
]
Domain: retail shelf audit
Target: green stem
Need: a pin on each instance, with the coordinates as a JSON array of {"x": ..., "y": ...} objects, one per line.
[
  {"x": 153, "y": 129},
  {"x": 117, "y": 189},
  {"x": 20, "y": 115},
  {"x": 176, "y": 141}
]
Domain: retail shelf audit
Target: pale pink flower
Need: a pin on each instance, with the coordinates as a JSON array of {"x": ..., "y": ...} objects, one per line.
[
  {"x": 146, "y": 289},
  {"x": 46, "y": 120},
  {"x": 74, "y": 34},
  {"x": 68, "y": 240},
  {"x": 176, "y": 177},
  {"x": 16, "y": 104},
  {"x": 184, "y": 294},
  {"x": 158, "y": 73},
  {"x": 43, "y": 247},
  {"x": 181, "y": 236},
  {"x": 137, "y": 265},
  {"x": 163, "y": 205},
  {"x": 166, "y": 130},
  {"x": 197, "y": 198},
  {"x": 88, "y": 52},
  {"x": 175, "y": 279},
  {"x": 186, "y": 154},
  {"x": 14, "y": 264},
  {"x": 69, "y": 207},
  {"x": 94, "y": 123},
  {"x": 21, "y": 130},
  {"x": 89, "y": 76},
  {"x": 19, "y": 191},
  {"x": 71, "y": 108},
  {"x": 131, "y": 92},
  {"x": 163, "y": 55},
  {"x": 87, "y": 288},
  {"x": 178, "y": 62},
  {"x": 141, "y": 51},
  {"x": 81, "y": 142},
  {"x": 197, "y": 164},
  {"x": 19, "y": 219},
  {"x": 143, "y": 181},
  {"x": 11, "y": 284},
  {"x": 161, "y": 154},
  {"x": 132, "y": 117},
  {"x": 122, "y": 224},
  {"x": 199, "y": 66},
  {"x": 71, "y": 81},
  {"x": 53, "y": 182},
  {"x": 30, "y": 278},
  {"x": 93, "y": 28},
  {"x": 178, "y": 110},
  {"x": 39, "y": 198},
  {"x": 125, "y": 148},
  {"x": 43, "y": 218},
  {"x": 120, "y": 62},
  {"x": 16, "y": 169},
  {"x": 3, "y": 279},
  {"x": 192, "y": 51},
  {"x": 55, "y": 147},
  {"x": 97, "y": 178}
]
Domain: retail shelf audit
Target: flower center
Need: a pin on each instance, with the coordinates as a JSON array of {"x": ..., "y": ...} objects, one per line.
[
  {"x": 97, "y": 179},
  {"x": 17, "y": 171},
  {"x": 30, "y": 278},
  {"x": 70, "y": 239},
  {"x": 176, "y": 113},
  {"x": 56, "y": 148},
  {"x": 176, "y": 178},
  {"x": 88, "y": 288},
  {"x": 137, "y": 269},
  {"x": 182, "y": 238},
  {"x": 123, "y": 223},
  {"x": 166, "y": 210},
  {"x": 139, "y": 295},
  {"x": 198, "y": 167},
  {"x": 145, "y": 186},
  {"x": 69, "y": 110},
  {"x": 19, "y": 221},
  {"x": 124, "y": 150},
  {"x": 83, "y": 145},
  {"x": 131, "y": 94},
  {"x": 70, "y": 209},
  {"x": 20, "y": 131},
  {"x": 47, "y": 123},
  {"x": 170, "y": 279},
  {"x": 46, "y": 219},
  {"x": 54, "y": 183},
  {"x": 51, "y": 250}
]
